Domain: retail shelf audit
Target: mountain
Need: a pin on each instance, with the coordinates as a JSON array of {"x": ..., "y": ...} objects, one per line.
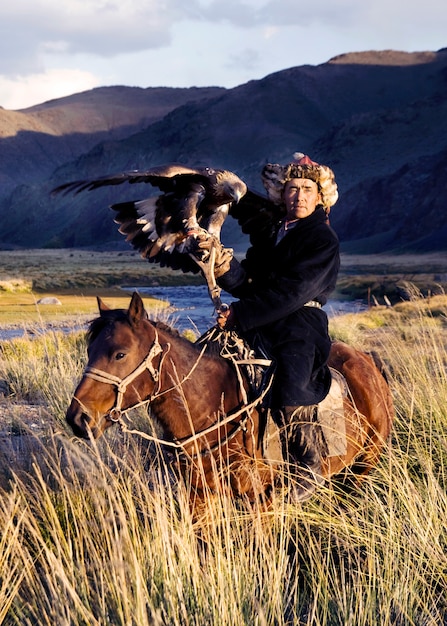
[
  {"x": 378, "y": 118},
  {"x": 37, "y": 140}
]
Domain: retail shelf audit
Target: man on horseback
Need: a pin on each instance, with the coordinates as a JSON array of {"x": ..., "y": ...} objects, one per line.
[{"x": 281, "y": 286}]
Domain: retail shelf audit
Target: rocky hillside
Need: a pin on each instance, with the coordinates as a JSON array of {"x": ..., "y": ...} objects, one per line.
[
  {"x": 35, "y": 141},
  {"x": 379, "y": 119}
]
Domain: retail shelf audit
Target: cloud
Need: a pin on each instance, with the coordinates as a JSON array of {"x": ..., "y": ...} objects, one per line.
[
  {"x": 19, "y": 92},
  {"x": 193, "y": 42},
  {"x": 32, "y": 29},
  {"x": 340, "y": 13},
  {"x": 249, "y": 59}
]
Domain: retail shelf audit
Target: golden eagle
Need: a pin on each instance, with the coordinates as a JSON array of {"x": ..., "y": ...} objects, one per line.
[{"x": 192, "y": 201}]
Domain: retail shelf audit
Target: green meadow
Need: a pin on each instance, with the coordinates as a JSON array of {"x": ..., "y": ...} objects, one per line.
[{"x": 100, "y": 533}]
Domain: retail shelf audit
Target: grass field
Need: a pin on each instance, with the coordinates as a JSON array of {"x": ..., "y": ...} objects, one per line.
[
  {"x": 75, "y": 278},
  {"x": 101, "y": 534}
]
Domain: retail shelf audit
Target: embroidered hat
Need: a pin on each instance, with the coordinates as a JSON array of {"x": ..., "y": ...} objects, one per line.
[{"x": 275, "y": 176}]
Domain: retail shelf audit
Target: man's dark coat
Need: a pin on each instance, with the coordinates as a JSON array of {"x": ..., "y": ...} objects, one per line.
[{"x": 280, "y": 279}]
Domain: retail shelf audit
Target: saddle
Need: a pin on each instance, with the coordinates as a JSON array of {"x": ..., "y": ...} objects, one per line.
[{"x": 330, "y": 416}]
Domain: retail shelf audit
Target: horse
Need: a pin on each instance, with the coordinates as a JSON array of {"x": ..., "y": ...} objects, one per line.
[{"x": 203, "y": 403}]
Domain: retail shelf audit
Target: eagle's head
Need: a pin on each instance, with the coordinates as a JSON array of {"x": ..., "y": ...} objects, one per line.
[{"x": 229, "y": 187}]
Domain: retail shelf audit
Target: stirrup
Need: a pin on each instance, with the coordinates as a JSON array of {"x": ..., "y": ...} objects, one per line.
[{"x": 305, "y": 484}]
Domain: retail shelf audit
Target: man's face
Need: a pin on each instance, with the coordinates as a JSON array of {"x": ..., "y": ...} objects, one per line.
[{"x": 301, "y": 197}]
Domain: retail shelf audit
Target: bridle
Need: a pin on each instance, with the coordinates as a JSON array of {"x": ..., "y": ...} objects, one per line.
[{"x": 121, "y": 384}]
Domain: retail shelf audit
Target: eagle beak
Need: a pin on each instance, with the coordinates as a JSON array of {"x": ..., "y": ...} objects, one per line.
[{"x": 238, "y": 194}]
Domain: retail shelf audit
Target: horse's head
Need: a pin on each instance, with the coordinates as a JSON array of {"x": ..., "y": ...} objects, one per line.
[{"x": 122, "y": 346}]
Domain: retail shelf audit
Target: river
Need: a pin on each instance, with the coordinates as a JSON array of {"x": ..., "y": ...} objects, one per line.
[{"x": 191, "y": 308}]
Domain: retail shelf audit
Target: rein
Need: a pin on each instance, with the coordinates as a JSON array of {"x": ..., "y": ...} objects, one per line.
[{"x": 181, "y": 445}]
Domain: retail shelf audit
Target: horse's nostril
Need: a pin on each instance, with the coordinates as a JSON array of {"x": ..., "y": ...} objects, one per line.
[{"x": 79, "y": 422}]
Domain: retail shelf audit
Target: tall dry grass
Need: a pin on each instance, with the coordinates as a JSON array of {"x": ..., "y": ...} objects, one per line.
[{"x": 101, "y": 533}]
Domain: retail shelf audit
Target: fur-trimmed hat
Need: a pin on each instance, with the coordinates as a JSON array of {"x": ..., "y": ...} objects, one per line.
[{"x": 275, "y": 176}]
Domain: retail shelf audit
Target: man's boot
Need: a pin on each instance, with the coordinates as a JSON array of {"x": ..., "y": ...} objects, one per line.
[{"x": 302, "y": 449}]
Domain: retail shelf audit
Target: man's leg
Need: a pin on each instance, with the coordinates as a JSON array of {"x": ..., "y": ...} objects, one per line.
[{"x": 303, "y": 448}]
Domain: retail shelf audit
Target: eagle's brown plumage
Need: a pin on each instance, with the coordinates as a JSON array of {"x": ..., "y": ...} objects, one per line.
[{"x": 191, "y": 200}]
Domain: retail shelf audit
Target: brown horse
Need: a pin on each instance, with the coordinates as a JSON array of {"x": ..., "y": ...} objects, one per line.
[{"x": 201, "y": 401}]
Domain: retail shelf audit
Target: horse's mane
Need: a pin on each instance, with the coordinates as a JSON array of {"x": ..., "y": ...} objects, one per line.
[
  {"x": 111, "y": 316},
  {"x": 165, "y": 328},
  {"x": 107, "y": 318},
  {"x": 175, "y": 334}
]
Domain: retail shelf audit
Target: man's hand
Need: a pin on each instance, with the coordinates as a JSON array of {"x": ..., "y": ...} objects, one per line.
[{"x": 225, "y": 317}]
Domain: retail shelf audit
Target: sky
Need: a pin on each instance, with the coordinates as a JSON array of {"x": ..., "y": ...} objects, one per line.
[{"x": 54, "y": 48}]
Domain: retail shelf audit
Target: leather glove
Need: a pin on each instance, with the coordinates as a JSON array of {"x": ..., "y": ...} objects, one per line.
[{"x": 204, "y": 244}]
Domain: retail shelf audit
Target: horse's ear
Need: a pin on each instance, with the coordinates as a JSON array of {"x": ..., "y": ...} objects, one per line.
[
  {"x": 136, "y": 310},
  {"x": 102, "y": 306}
]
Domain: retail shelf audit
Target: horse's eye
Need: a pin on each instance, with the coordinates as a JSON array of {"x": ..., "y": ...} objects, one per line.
[{"x": 119, "y": 356}]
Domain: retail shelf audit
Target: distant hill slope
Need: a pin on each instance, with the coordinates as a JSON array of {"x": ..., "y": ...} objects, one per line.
[
  {"x": 379, "y": 119},
  {"x": 35, "y": 141}
]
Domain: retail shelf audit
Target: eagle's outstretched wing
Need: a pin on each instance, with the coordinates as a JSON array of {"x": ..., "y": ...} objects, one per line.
[
  {"x": 160, "y": 176},
  {"x": 256, "y": 214},
  {"x": 191, "y": 200},
  {"x": 139, "y": 222}
]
